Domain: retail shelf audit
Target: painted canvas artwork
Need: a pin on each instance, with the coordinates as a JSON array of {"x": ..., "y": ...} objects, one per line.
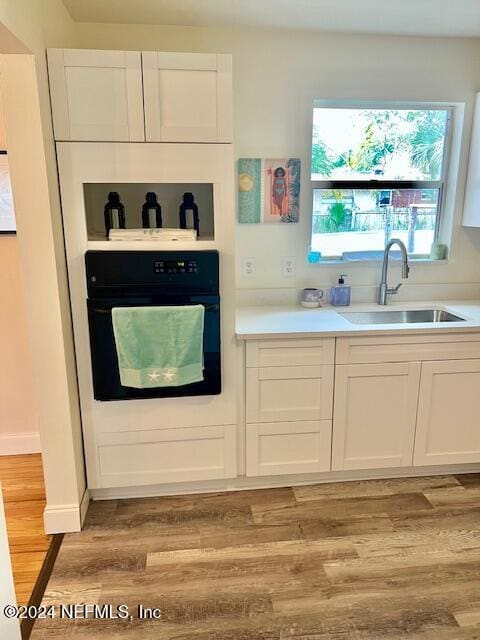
[
  {"x": 282, "y": 190},
  {"x": 249, "y": 190},
  {"x": 268, "y": 190}
]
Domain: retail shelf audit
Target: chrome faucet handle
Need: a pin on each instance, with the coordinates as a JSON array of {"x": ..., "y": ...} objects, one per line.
[{"x": 393, "y": 290}]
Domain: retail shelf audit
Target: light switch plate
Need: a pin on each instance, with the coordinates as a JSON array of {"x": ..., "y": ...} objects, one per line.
[
  {"x": 288, "y": 267},
  {"x": 248, "y": 267}
]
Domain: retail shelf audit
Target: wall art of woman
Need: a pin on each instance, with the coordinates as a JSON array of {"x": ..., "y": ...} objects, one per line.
[{"x": 279, "y": 192}]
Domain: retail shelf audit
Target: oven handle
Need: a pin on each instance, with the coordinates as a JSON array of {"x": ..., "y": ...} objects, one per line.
[{"x": 208, "y": 307}]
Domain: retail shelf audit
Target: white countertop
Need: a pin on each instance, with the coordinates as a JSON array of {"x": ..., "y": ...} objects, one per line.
[{"x": 297, "y": 322}]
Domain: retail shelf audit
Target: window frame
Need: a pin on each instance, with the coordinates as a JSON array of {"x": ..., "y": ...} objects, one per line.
[{"x": 376, "y": 184}]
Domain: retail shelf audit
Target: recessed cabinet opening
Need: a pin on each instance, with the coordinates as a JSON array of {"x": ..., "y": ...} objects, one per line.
[{"x": 111, "y": 208}]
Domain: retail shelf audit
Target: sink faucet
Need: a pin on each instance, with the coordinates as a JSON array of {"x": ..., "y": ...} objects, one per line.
[{"x": 384, "y": 289}]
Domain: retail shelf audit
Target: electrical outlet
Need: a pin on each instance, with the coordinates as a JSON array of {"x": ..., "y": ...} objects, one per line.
[
  {"x": 288, "y": 267},
  {"x": 248, "y": 267}
]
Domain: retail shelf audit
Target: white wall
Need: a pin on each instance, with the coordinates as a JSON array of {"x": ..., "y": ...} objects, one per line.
[
  {"x": 18, "y": 409},
  {"x": 277, "y": 75}
]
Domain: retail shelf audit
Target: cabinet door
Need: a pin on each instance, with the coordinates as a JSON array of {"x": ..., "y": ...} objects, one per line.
[
  {"x": 188, "y": 97},
  {"x": 96, "y": 95},
  {"x": 374, "y": 415},
  {"x": 288, "y": 447},
  {"x": 279, "y": 394},
  {"x": 448, "y": 425}
]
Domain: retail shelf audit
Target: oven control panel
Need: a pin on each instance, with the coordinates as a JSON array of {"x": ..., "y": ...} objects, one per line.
[
  {"x": 175, "y": 266},
  {"x": 118, "y": 273}
]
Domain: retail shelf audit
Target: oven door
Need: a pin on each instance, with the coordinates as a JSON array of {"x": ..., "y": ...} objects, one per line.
[{"x": 106, "y": 376}]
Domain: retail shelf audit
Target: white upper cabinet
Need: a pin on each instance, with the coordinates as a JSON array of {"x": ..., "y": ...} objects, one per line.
[
  {"x": 188, "y": 97},
  {"x": 96, "y": 95},
  {"x": 118, "y": 96},
  {"x": 471, "y": 210}
]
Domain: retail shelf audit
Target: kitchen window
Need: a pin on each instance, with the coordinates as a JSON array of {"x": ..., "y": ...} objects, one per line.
[{"x": 378, "y": 172}]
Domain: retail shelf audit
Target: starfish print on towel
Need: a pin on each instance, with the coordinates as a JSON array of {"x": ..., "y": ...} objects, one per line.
[
  {"x": 154, "y": 376},
  {"x": 169, "y": 376}
]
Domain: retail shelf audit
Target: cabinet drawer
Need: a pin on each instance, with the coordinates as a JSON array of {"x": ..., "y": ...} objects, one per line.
[
  {"x": 285, "y": 353},
  {"x": 407, "y": 348},
  {"x": 276, "y": 394},
  {"x": 288, "y": 447},
  {"x": 169, "y": 455}
]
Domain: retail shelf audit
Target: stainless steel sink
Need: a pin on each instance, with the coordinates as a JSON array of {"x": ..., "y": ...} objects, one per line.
[{"x": 400, "y": 317}]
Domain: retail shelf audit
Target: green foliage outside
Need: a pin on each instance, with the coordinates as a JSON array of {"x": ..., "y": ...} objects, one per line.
[
  {"x": 428, "y": 142},
  {"x": 338, "y": 219},
  {"x": 419, "y": 133},
  {"x": 373, "y": 151},
  {"x": 321, "y": 160}
]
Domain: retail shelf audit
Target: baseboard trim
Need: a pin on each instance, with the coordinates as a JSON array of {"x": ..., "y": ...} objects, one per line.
[
  {"x": 66, "y": 518},
  {"x": 268, "y": 482},
  {"x": 12, "y": 444}
]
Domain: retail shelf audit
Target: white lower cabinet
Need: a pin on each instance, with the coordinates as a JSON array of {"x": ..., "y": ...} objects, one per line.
[
  {"x": 364, "y": 403},
  {"x": 130, "y": 458},
  {"x": 448, "y": 424},
  {"x": 289, "y": 406},
  {"x": 375, "y": 415},
  {"x": 277, "y": 448}
]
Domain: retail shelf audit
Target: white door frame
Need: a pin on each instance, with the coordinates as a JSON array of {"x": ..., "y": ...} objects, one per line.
[
  {"x": 28, "y": 128},
  {"x": 9, "y": 627}
]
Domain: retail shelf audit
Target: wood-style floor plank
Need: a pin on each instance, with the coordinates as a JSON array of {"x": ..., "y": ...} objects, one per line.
[
  {"x": 24, "y": 495},
  {"x": 469, "y": 479},
  {"x": 336, "y": 508},
  {"x": 396, "y": 543},
  {"x": 454, "y": 497},
  {"x": 367, "y": 488},
  {"x": 374, "y": 560}
]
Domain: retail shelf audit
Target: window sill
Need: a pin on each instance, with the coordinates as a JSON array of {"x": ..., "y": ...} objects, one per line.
[{"x": 376, "y": 261}]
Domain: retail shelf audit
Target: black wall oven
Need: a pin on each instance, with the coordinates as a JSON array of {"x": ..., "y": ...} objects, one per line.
[{"x": 150, "y": 278}]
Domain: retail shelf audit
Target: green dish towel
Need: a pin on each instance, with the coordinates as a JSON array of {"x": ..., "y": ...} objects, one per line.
[{"x": 159, "y": 346}]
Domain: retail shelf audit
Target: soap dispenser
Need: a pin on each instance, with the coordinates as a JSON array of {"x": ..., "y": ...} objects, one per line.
[{"x": 340, "y": 295}]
